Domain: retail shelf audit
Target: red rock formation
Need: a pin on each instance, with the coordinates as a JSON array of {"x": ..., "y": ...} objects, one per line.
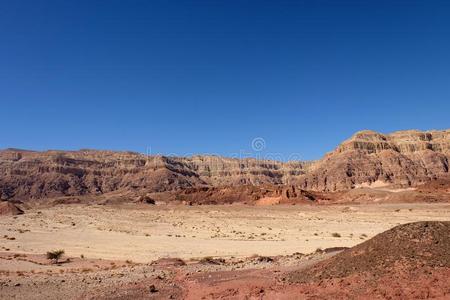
[
  {"x": 405, "y": 158},
  {"x": 28, "y": 175}
]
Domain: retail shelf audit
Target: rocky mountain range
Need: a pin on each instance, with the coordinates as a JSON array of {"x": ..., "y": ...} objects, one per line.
[{"x": 400, "y": 159}]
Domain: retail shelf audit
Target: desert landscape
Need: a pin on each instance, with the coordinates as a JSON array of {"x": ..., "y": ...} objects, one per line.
[
  {"x": 232, "y": 150},
  {"x": 360, "y": 223}
]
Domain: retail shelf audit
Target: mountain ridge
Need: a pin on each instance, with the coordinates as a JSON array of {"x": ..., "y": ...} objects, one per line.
[{"x": 402, "y": 158}]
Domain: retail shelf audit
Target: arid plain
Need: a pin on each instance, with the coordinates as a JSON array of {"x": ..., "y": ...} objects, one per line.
[
  {"x": 198, "y": 252},
  {"x": 145, "y": 233}
]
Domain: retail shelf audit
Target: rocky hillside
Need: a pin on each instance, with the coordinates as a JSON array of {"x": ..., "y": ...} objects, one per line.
[
  {"x": 33, "y": 175},
  {"x": 403, "y": 158},
  {"x": 410, "y": 261},
  {"x": 410, "y": 245}
]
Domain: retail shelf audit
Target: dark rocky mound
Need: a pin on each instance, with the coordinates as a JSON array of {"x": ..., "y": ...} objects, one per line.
[
  {"x": 9, "y": 209},
  {"x": 240, "y": 193},
  {"x": 405, "y": 248}
]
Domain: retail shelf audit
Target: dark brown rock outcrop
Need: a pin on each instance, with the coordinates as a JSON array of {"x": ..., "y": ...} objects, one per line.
[{"x": 249, "y": 194}]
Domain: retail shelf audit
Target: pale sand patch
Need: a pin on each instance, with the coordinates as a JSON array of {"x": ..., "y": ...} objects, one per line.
[
  {"x": 145, "y": 233},
  {"x": 375, "y": 184},
  {"x": 383, "y": 186}
]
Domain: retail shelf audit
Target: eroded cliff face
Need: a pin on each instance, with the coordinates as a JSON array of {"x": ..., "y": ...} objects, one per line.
[
  {"x": 405, "y": 142},
  {"x": 33, "y": 175},
  {"x": 403, "y": 158}
]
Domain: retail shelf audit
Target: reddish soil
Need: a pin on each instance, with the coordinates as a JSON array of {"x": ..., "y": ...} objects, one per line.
[
  {"x": 409, "y": 261},
  {"x": 9, "y": 209}
]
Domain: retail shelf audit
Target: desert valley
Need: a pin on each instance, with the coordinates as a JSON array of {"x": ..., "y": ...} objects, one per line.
[{"x": 371, "y": 219}]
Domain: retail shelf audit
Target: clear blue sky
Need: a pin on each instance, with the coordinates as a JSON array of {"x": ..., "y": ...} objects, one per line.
[{"x": 187, "y": 77}]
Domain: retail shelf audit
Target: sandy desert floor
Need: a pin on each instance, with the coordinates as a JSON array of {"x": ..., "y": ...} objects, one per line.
[
  {"x": 229, "y": 252},
  {"x": 145, "y": 233}
]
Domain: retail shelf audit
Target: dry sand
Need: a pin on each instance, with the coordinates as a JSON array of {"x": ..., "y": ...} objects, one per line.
[{"x": 145, "y": 233}]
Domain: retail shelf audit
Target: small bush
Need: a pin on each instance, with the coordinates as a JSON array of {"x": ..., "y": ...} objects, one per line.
[
  {"x": 336, "y": 235},
  {"x": 55, "y": 255}
]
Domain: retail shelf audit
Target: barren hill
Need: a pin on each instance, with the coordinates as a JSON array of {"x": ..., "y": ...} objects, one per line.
[
  {"x": 405, "y": 158},
  {"x": 410, "y": 261},
  {"x": 405, "y": 247}
]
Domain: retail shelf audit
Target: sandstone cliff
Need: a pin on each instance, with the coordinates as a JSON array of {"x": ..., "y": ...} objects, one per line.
[
  {"x": 404, "y": 158},
  {"x": 33, "y": 175}
]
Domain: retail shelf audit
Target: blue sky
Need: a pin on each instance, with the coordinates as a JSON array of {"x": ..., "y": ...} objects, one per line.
[{"x": 185, "y": 77}]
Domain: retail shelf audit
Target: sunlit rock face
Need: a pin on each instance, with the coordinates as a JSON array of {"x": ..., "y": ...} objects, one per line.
[{"x": 404, "y": 158}]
